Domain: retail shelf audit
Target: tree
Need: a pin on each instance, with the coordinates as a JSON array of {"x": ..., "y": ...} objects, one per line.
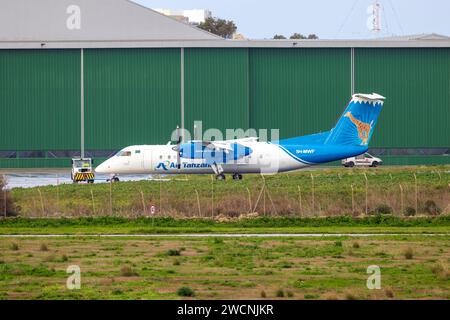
[
  {"x": 279, "y": 36},
  {"x": 220, "y": 27},
  {"x": 300, "y": 36},
  {"x": 297, "y": 36}
]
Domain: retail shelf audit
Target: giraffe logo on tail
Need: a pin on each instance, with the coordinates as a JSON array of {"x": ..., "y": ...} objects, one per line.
[{"x": 362, "y": 127}]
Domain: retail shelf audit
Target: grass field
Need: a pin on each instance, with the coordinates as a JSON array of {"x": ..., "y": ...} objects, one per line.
[
  {"x": 160, "y": 225},
  {"x": 226, "y": 268},
  {"x": 421, "y": 190}
]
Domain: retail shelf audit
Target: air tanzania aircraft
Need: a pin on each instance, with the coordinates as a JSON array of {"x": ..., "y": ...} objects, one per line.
[{"x": 350, "y": 137}]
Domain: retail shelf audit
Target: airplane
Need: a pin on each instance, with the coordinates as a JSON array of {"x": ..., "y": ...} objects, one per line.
[{"x": 349, "y": 137}]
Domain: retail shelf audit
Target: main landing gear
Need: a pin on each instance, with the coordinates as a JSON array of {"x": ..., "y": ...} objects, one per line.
[
  {"x": 236, "y": 176},
  {"x": 113, "y": 179}
]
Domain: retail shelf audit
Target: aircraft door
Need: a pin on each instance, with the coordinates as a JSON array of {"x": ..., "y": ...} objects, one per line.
[{"x": 147, "y": 159}]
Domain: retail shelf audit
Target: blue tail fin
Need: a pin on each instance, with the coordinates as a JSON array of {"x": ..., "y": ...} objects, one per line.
[{"x": 355, "y": 127}]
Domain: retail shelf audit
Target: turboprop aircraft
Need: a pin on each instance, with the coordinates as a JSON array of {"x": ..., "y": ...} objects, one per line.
[{"x": 350, "y": 137}]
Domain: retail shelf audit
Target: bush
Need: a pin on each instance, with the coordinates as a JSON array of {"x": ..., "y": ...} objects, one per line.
[
  {"x": 290, "y": 294},
  {"x": 128, "y": 272},
  {"x": 176, "y": 262},
  {"x": 279, "y": 293},
  {"x": 263, "y": 294},
  {"x": 383, "y": 209},
  {"x": 338, "y": 243},
  {"x": 185, "y": 292},
  {"x": 440, "y": 271},
  {"x": 355, "y": 245},
  {"x": 410, "y": 212},
  {"x": 430, "y": 207},
  {"x": 408, "y": 253},
  {"x": 14, "y": 246},
  {"x": 43, "y": 247},
  {"x": 389, "y": 293},
  {"x": 173, "y": 252}
]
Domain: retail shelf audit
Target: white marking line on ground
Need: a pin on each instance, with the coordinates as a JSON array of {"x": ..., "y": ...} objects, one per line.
[{"x": 226, "y": 235}]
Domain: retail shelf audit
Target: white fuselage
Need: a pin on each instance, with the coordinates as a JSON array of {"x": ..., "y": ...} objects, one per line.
[{"x": 162, "y": 159}]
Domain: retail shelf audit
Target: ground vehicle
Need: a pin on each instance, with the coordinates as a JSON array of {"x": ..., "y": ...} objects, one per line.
[
  {"x": 82, "y": 170},
  {"x": 364, "y": 159}
]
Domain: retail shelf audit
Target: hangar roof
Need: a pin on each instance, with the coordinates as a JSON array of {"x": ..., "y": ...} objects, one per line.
[
  {"x": 125, "y": 24},
  {"x": 89, "y": 20}
]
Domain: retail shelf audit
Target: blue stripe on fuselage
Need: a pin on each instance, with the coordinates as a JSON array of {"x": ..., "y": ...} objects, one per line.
[{"x": 316, "y": 154}]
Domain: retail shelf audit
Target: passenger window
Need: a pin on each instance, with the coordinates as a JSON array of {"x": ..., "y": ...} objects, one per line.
[
  {"x": 168, "y": 157},
  {"x": 137, "y": 151},
  {"x": 160, "y": 157}
]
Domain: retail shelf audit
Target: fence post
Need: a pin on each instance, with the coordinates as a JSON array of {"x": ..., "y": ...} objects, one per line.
[
  {"x": 212, "y": 196},
  {"x": 353, "y": 200},
  {"x": 4, "y": 195},
  {"x": 57, "y": 194},
  {"x": 249, "y": 200},
  {"x": 367, "y": 186},
  {"x": 110, "y": 197},
  {"x": 300, "y": 200},
  {"x": 144, "y": 211},
  {"x": 160, "y": 196},
  {"x": 416, "y": 196},
  {"x": 93, "y": 203},
  {"x": 401, "y": 198},
  {"x": 42, "y": 202},
  {"x": 198, "y": 204},
  {"x": 312, "y": 194}
]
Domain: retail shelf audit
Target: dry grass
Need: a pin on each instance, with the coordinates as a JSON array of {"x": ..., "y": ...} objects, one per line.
[{"x": 138, "y": 268}]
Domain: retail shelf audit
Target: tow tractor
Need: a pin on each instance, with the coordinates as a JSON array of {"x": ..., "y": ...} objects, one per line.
[{"x": 82, "y": 170}]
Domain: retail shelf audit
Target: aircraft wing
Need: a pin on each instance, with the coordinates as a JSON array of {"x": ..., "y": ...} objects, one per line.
[{"x": 218, "y": 145}]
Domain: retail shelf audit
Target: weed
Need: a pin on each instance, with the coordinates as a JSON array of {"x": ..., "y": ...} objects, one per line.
[
  {"x": 127, "y": 271},
  {"x": 176, "y": 262},
  {"x": 431, "y": 208},
  {"x": 117, "y": 292},
  {"x": 440, "y": 271},
  {"x": 389, "y": 293},
  {"x": 173, "y": 252},
  {"x": 338, "y": 243},
  {"x": 355, "y": 245},
  {"x": 408, "y": 253},
  {"x": 185, "y": 292},
  {"x": 263, "y": 294},
  {"x": 279, "y": 293},
  {"x": 383, "y": 209},
  {"x": 350, "y": 296},
  {"x": 14, "y": 246},
  {"x": 43, "y": 247},
  {"x": 290, "y": 294},
  {"x": 410, "y": 212}
]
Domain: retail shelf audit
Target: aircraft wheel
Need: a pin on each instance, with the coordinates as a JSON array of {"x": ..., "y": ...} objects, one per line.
[
  {"x": 237, "y": 176},
  {"x": 374, "y": 164},
  {"x": 351, "y": 164},
  {"x": 220, "y": 176}
]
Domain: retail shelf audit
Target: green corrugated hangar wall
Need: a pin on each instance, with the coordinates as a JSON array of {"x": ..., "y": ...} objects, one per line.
[{"x": 133, "y": 96}]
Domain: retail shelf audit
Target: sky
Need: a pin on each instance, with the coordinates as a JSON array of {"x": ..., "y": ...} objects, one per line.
[{"x": 329, "y": 19}]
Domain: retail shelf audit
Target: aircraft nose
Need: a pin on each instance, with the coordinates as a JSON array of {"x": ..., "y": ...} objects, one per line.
[{"x": 103, "y": 168}]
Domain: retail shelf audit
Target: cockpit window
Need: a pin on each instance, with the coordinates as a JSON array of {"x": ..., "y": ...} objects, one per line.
[{"x": 124, "y": 154}]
